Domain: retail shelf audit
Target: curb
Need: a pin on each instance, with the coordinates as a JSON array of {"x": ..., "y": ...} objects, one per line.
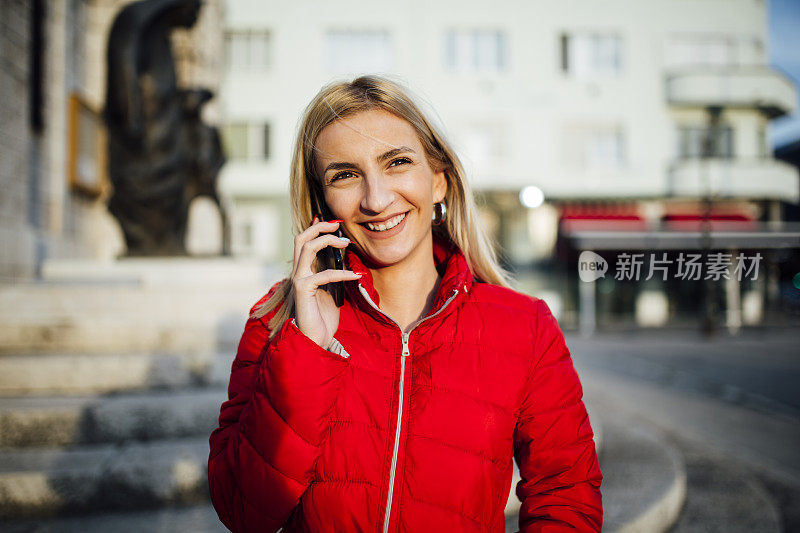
[{"x": 644, "y": 485}]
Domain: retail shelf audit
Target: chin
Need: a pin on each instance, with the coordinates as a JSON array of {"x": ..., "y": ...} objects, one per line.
[{"x": 386, "y": 257}]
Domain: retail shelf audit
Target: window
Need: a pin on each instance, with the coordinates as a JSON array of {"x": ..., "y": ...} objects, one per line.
[
  {"x": 763, "y": 148},
  {"x": 246, "y": 234},
  {"x": 484, "y": 142},
  {"x": 699, "y": 50},
  {"x": 350, "y": 52},
  {"x": 235, "y": 138},
  {"x": 594, "y": 148},
  {"x": 248, "y": 51},
  {"x": 692, "y": 139},
  {"x": 475, "y": 50},
  {"x": 591, "y": 55},
  {"x": 246, "y": 141},
  {"x": 603, "y": 149}
]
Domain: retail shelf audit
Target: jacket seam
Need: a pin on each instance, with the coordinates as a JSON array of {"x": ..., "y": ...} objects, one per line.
[
  {"x": 487, "y": 345},
  {"x": 267, "y": 461},
  {"x": 533, "y": 363},
  {"x": 460, "y": 448},
  {"x": 561, "y": 446},
  {"x": 559, "y": 361},
  {"x": 551, "y": 410},
  {"x": 343, "y": 481},
  {"x": 288, "y": 425},
  {"x": 497, "y": 406},
  {"x": 448, "y": 509},
  {"x": 345, "y": 421},
  {"x": 539, "y": 333},
  {"x": 365, "y": 369}
]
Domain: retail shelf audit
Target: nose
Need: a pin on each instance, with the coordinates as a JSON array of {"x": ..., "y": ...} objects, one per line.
[{"x": 377, "y": 194}]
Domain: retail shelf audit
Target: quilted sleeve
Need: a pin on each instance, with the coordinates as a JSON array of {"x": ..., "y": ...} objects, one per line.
[
  {"x": 272, "y": 426},
  {"x": 553, "y": 446}
]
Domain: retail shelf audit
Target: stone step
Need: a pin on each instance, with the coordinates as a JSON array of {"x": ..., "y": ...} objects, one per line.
[
  {"x": 88, "y": 374},
  {"x": 48, "y": 481},
  {"x": 200, "y": 518},
  {"x": 127, "y": 316},
  {"x": 72, "y": 421}
]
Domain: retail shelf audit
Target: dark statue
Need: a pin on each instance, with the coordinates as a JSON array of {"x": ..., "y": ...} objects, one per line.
[{"x": 161, "y": 155}]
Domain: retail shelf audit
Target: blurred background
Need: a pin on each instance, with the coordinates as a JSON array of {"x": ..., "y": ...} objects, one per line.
[{"x": 664, "y": 128}]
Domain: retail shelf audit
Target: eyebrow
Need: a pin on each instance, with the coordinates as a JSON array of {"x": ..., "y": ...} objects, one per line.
[{"x": 382, "y": 157}]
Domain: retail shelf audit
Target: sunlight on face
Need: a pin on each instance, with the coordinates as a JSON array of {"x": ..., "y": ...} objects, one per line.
[{"x": 374, "y": 170}]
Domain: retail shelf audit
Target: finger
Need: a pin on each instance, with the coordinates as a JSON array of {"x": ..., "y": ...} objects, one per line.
[
  {"x": 309, "y": 250},
  {"x": 332, "y": 275},
  {"x": 312, "y": 232},
  {"x": 310, "y": 284}
]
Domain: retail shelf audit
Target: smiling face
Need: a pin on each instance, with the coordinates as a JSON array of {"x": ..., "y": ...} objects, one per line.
[{"x": 377, "y": 179}]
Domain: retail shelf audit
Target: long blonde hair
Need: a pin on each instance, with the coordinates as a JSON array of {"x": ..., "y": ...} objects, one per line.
[{"x": 369, "y": 92}]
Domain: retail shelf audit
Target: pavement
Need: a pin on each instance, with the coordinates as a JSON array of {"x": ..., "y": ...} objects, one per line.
[{"x": 726, "y": 405}]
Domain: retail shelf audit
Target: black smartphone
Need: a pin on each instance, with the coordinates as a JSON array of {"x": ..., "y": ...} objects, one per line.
[{"x": 329, "y": 257}]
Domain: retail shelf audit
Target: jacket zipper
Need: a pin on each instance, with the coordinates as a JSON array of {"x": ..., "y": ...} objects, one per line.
[{"x": 404, "y": 355}]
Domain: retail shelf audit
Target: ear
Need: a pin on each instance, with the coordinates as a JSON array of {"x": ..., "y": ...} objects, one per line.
[{"x": 439, "y": 186}]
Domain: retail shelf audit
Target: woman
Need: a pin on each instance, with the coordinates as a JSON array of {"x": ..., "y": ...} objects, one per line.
[{"x": 402, "y": 409}]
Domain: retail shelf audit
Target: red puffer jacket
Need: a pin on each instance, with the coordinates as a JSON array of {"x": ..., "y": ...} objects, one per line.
[{"x": 413, "y": 432}]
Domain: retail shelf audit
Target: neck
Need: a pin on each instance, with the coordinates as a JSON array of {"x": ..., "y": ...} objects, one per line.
[{"x": 407, "y": 289}]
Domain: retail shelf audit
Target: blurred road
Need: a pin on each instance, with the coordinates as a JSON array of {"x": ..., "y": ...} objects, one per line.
[{"x": 731, "y": 404}]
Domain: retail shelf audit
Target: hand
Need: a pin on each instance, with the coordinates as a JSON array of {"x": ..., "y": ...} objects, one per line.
[{"x": 317, "y": 315}]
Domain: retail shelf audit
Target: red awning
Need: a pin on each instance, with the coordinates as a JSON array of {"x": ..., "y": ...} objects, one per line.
[
  {"x": 624, "y": 217},
  {"x": 718, "y": 221}
]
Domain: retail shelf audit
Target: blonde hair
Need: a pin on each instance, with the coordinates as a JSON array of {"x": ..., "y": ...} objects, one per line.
[{"x": 340, "y": 99}]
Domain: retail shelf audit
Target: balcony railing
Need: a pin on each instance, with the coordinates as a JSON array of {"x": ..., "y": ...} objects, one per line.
[
  {"x": 734, "y": 178},
  {"x": 757, "y": 87}
]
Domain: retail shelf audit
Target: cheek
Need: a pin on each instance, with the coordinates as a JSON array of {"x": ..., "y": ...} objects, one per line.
[
  {"x": 418, "y": 188},
  {"x": 342, "y": 203}
]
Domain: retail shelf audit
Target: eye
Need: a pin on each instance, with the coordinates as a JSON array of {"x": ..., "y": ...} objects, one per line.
[
  {"x": 340, "y": 175},
  {"x": 343, "y": 174},
  {"x": 401, "y": 159}
]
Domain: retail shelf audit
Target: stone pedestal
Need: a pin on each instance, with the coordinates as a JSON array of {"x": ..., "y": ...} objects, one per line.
[{"x": 170, "y": 305}]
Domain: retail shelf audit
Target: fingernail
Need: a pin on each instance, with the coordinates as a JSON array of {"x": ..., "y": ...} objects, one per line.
[
  {"x": 314, "y": 220},
  {"x": 336, "y": 221},
  {"x": 345, "y": 239}
]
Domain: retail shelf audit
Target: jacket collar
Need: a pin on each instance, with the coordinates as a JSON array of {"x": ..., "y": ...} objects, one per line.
[{"x": 450, "y": 262}]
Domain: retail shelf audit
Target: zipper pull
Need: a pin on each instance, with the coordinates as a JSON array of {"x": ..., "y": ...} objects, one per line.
[{"x": 405, "y": 345}]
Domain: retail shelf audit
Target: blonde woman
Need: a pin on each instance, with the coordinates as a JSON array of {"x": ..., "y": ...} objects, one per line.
[{"x": 401, "y": 408}]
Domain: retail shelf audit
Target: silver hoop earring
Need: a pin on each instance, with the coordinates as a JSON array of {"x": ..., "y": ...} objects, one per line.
[{"x": 439, "y": 213}]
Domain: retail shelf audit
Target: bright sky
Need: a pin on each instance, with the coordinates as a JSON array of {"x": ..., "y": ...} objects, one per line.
[{"x": 784, "y": 53}]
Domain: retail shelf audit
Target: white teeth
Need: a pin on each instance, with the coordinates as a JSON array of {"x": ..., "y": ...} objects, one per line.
[{"x": 389, "y": 224}]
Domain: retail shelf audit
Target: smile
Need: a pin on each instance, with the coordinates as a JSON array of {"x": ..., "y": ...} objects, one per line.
[
  {"x": 389, "y": 224},
  {"x": 385, "y": 230}
]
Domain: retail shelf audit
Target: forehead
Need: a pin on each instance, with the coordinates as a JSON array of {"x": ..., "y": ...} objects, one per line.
[{"x": 364, "y": 134}]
